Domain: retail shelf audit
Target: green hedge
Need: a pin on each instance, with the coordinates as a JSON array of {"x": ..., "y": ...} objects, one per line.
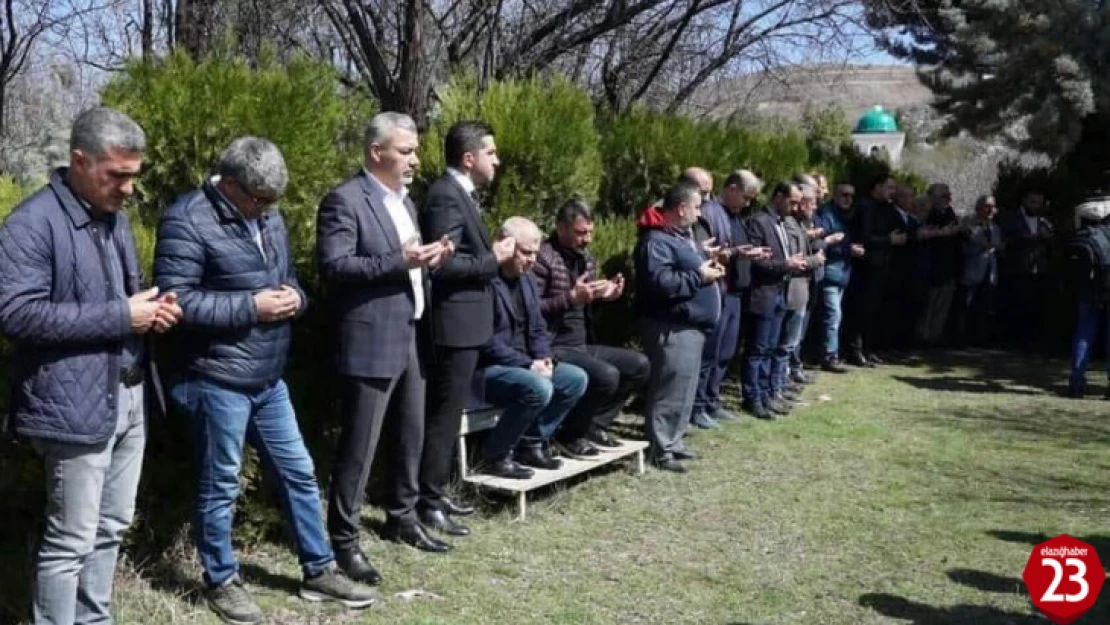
[
  {"x": 546, "y": 138},
  {"x": 552, "y": 146}
]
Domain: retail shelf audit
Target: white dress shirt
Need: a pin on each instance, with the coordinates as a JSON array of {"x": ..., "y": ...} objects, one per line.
[
  {"x": 395, "y": 205},
  {"x": 466, "y": 183}
]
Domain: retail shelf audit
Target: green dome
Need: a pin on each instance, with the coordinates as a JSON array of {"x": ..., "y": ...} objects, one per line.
[{"x": 876, "y": 120}]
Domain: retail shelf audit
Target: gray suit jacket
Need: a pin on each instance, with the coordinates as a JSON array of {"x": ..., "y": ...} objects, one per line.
[
  {"x": 368, "y": 289},
  {"x": 979, "y": 262}
]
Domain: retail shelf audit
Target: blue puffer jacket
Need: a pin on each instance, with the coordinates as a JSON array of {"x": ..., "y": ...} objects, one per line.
[
  {"x": 206, "y": 254},
  {"x": 66, "y": 322}
]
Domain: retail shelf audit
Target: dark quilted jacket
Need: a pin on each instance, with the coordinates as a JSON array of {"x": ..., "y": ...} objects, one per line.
[
  {"x": 66, "y": 323},
  {"x": 206, "y": 254},
  {"x": 554, "y": 285}
]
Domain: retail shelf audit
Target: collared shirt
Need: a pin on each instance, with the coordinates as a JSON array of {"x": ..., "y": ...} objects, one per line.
[
  {"x": 102, "y": 228},
  {"x": 252, "y": 224},
  {"x": 1032, "y": 221},
  {"x": 467, "y": 184},
  {"x": 780, "y": 230},
  {"x": 903, "y": 214},
  {"x": 395, "y": 205}
]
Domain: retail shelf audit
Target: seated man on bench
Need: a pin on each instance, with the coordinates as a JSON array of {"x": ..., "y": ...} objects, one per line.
[{"x": 533, "y": 392}]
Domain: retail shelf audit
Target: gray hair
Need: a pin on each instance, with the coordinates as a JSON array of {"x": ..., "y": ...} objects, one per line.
[
  {"x": 745, "y": 180},
  {"x": 809, "y": 191},
  {"x": 805, "y": 180},
  {"x": 382, "y": 125},
  {"x": 256, "y": 164},
  {"x": 100, "y": 129},
  {"x": 937, "y": 189},
  {"x": 520, "y": 228}
]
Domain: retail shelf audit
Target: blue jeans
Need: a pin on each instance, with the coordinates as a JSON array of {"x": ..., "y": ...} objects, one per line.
[
  {"x": 1091, "y": 315},
  {"x": 532, "y": 406},
  {"x": 756, "y": 376},
  {"x": 831, "y": 313},
  {"x": 720, "y": 347},
  {"x": 90, "y": 502},
  {"x": 223, "y": 419},
  {"x": 793, "y": 324}
]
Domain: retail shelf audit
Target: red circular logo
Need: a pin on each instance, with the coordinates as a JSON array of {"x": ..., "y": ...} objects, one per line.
[{"x": 1064, "y": 577}]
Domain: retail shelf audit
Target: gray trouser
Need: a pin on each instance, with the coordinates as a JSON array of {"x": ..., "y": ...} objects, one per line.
[
  {"x": 675, "y": 354},
  {"x": 90, "y": 492}
]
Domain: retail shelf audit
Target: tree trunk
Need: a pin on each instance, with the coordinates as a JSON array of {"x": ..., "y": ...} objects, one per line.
[
  {"x": 148, "y": 29},
  {"x": 412, "y": 87}
]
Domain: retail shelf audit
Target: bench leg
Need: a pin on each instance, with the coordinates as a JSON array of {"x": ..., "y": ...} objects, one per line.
[
  {"x": 640, "y": 462},
  {"x": 462, "y": 457},
  {"x": 522, "y": 505}
]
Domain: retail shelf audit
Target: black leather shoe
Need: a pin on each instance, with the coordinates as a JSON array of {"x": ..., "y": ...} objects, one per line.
[
  {"x": 779, "y": 407},
  {"x": 438, "y": 520},
  {"x": 759, "y": 411},
  {"x": 354, "y": 564},
  {"x": 832, "y": 365},
  {"x": 602, "y": 438},
  {"x": 788, "y": 394},
  {"x": 579, "y": 448},
  {"x": 506, "y": 468},
  {"x": 685, "y": 454},
  {"x": 798, "y": 377},
  {"x": 413, "y": 534},
  {"x": 454, "y": 508},
  {"x": 859, "y": 360},
  {"x": 534, "y": 456},
  {"x": 874, "y": 359},
  {"x": 669, "y": 464}
]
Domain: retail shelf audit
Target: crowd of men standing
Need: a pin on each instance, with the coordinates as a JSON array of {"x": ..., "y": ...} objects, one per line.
[{"x": 431, "y": 313}]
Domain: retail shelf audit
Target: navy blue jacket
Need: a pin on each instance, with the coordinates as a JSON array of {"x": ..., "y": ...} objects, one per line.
[
  {"x": 499, "y": 349},
  {"x": 67, "y": 324},
  {"x": 838, "y": 258},
  {"x": 668, "y": 280},
  {"x": 207, "y": 256},
  {"x": 369, "y": 292}
]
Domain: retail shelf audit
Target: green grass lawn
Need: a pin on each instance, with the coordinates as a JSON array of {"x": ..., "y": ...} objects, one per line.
[{"x": 907, "y": 494}]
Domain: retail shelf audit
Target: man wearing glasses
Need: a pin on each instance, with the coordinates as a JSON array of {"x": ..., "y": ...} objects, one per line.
[
  {"x": 223, "y": 251},
  {"x": 834, "y": 218}
]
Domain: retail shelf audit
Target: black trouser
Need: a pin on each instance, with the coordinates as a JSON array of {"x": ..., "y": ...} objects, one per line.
[
  {"x": 367, "y": 403},
  {"x": 971, "y": 307},
  {"x": 864, "y": 328},
  {"x": 615, "y": 373},
  {"x": 449, "y": 386}
]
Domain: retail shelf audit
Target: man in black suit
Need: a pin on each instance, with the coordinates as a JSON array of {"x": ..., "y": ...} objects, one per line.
[
  {"x": 374, "y": 267},
  {"x": 880, "y": 228},
  {"x": 462, "y": 307}
]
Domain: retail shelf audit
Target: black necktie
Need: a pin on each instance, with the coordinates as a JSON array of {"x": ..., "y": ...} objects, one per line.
[{"x": 474, "y": 196}]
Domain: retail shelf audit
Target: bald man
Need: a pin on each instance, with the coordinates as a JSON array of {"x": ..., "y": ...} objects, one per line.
[{"x": 534, "y": 392}]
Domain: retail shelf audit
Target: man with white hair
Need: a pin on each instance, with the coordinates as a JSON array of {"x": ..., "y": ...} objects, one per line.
[
  {"x": 522, "y": 378},
  {"x": 224, "y": 252},
  {"x": 371, "y": 258}
]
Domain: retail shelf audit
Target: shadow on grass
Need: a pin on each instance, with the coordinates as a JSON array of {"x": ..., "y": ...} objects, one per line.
[
  {"x": 989, "y": 371},
  {"x": 1100, "y": 542},
  {"x": 987, "y": 582},
  {"x": 1066, "y": 421},
  {"x": 963, "y": 614},
  {"x": 254, "y": 574}
]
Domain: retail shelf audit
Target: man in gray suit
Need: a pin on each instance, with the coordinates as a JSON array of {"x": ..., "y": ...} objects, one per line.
[{"x": 375, "y": 268}]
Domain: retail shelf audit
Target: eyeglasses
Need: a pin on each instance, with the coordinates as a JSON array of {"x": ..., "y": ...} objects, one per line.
[{"x": 257, "y": 202}]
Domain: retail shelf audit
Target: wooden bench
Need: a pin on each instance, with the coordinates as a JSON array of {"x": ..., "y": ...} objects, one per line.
[{"x": 479, "y": 420}]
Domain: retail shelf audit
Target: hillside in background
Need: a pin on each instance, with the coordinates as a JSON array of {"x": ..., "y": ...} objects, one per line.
[{"x": 786, "y": 92}]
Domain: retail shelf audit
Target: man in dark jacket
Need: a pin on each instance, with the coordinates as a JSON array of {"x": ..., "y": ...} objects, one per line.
[
  {"x": 722, "y": 218},
  {"x": 763, "y": 390},
  {"x": 944, "y": 264},
  {"x": 832, "y": 219},
  {"x": 1024, "y": 281},
  {"x": 678, "y": 302},
  {"x": 567, "y": 281},
  {"x": 461, "y": 309},
  {"x": 375, "y": 270},
  {"x": 223, "y": 250},
  {"x": 880, "y": 229},
  {"x": 72, "y": 304},
  {"x": 521, "y": 377}
]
